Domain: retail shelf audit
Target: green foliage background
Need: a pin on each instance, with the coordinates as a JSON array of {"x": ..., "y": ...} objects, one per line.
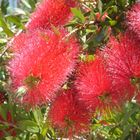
[{"x": 119, "y": 124}]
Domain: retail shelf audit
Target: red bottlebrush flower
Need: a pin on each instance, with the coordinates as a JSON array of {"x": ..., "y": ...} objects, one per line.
[
  {"x": 43, "y": 65},
  {"x": 51, "y": 12},
  {"x": 18, "y": 41},
  {"x": 133, "y": 19},
  {"x": 66, "y": 114},
  {"x": 94, "y": 85},
  {"x": 22, "y": 40},
  {"x": 123, "y": 63},
  {"x": 9, "y": 123}
]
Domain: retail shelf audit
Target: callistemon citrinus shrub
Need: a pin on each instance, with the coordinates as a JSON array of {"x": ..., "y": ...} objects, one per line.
[{"x": 70, "y": 70}]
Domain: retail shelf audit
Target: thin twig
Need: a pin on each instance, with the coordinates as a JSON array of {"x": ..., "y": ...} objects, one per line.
[
  {"x": 77, "y": 29},
  {"x": 69, "y": 34}
]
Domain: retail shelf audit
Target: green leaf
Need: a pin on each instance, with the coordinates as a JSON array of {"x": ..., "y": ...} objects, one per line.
[
  {"x": 19, "y": 11},
  {"x": 113, "y": 22},
  {"x": 44, "y": 131},
  {"x": 28, "y": 125},
  {"x": 100, "y": 6},
  {"x": 38, "y": 116},
  {"x": 3, "y": 112},
  {"x": 3, "y": 40},
  {"x": 122, "y": 3},
  {"x": 32, "y": 3},
  {"x": 115, "y": 8},
  {"x": 14, "y": 19},
  {"x": 3, "y": 126},
  {"x": 26, "y": 4},
  {"x": 126, "y": 131},
  {"x": 78, "y": 13},
  {"x": 4, "y": 5},
  {"x": 4, "y": 26}
]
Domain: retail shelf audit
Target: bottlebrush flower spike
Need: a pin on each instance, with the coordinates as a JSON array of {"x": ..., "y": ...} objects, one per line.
[
  {"x": 43, "y": 65},
  {"x": 133, "y": 19},
  {"x": 67, "y": 116},
  {"x": 94, "y": 85},
  {"x": 21, "y": 40},
  {"x": 123, "y": 63},
  {"x": 51, "y": 12},
  {"x": 18, "y": 42}
]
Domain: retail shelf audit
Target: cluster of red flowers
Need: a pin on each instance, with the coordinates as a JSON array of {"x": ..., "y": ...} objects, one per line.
[
  {"x": 44, "y": 58},
  {"x": 112, "y": 78}
]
